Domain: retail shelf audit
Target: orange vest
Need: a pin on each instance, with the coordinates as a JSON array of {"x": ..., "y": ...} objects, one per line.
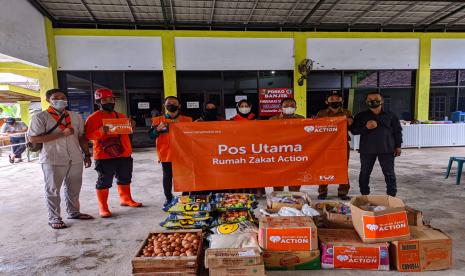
[
  {"x": 94, "y": 132},
  {"x": 163, "y": 139},
  {"x": 240, "y": 118}
]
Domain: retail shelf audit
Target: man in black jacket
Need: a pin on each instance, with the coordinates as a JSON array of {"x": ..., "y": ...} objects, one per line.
[{"x": 380, "y": 137}]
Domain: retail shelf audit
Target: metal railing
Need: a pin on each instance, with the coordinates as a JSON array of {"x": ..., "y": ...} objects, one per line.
[{"x": 31, "y": 156}]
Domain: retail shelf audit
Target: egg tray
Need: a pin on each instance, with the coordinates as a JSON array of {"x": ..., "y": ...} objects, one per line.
[{"x": 172, "y": 265}]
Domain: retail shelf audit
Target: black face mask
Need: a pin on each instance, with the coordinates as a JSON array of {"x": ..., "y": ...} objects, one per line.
[
  {"x": 108, "y": 107},
  {"x": 335, "y": 105},
  {"x": 172, "y": 108},
  {"x": 374, "y": 104},
  {"x": 210, "y": 114}
]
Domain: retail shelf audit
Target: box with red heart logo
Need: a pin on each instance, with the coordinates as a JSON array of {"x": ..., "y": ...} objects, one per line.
[
  {"x": 380, "y": 218},
  {"x": 287, "y": 234},
  {"x": 343, "y": 249}
]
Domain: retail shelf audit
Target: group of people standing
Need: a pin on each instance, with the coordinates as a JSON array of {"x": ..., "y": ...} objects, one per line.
[
  {"x": 65, "y": 147},
  {"x": 380, "y": 130}
]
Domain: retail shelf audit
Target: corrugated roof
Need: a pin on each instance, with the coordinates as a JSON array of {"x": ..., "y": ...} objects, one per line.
[{"x": 301, "y": 14}]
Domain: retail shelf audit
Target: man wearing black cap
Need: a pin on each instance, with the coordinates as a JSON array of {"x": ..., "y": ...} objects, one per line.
[{"x": 335, "y": 101}]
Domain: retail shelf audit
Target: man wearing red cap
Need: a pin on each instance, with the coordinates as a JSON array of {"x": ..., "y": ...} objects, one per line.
[{"x": 112, "y": 153}]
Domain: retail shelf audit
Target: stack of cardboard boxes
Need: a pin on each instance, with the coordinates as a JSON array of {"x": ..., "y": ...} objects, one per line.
[
  {"x": 380, "y": 234},
  {"x": 289, "y": 243},
  {"x": 412, "y": 245}
]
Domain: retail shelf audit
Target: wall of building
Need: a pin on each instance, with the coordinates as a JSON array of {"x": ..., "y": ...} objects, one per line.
[
  {"x": 223, "y": 50},
  {"x": 108, "y": 53},
  {"x": 363, "y": 54},
  {"x": 22, "y": 32},
  {"x": 447, "y": 53}
]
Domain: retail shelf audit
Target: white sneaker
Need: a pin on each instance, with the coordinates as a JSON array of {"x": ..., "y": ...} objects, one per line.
[{"x": 18, "y": 160}]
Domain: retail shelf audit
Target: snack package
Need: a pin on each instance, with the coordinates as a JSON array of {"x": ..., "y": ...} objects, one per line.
[
  {"x": 290, "y": 212},
  {"x": 186, "y": 208},
  {"x": 309, "y": 211},
  {"x": 235, "y": 228},
  {"x": 232, "y": 201},
  {"x": 373, "y": 208},
  {"x": 277, "y": 200},
  {"x": 341, "y": 208},
  {"x": 234, "y": 217},
  {"x": 240, "y": 240},
  {"x": 185, "y": 224},
  {"x": 193, "y": 199},
  {"x": 191, "y": 216}
]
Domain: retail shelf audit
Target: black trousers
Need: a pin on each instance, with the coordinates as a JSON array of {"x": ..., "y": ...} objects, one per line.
[
  {"x": 167, "y": 179},
  {"x": 119, "y": 168},
  {"x": 386, "y": 160}
]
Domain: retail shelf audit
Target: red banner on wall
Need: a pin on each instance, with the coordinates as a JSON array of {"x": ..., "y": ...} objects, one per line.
[
  {"x": 270, "y": 100},
  {"x": 251, "y": 154}
]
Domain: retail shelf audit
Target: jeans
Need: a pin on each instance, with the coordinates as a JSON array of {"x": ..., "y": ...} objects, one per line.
[
  {"x": 386, "y": 160},
  {"x": 18, "y": 149}
]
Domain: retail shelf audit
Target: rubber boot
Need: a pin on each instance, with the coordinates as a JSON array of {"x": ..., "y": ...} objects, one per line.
[
  {"x": 125, "y": 196},
  {"x": 102, "y": 196}
]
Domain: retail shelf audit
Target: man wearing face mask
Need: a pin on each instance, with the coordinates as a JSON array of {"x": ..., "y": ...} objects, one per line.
[
  {"x": 64, "y": 147},
  {"x": 334, "y": 101},
  {"x": 112, "y": 153},
  {"x": 160, "y": 132},
  {"x": 209, "y": 113},
  {"x": 380, "y": 138},
  {"x": 288, "y": 108},
  {"x": 15, "y": 130}
]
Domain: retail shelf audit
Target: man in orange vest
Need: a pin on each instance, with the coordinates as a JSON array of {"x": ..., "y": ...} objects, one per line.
[
  {"x": 160, "y": 131},
  {"x": 112, "y": 153}
]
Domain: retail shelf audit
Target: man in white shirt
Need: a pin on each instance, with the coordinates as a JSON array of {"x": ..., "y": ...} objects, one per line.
[{"x": 61, "y": 156}]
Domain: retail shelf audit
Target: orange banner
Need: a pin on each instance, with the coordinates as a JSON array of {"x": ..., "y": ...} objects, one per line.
[{"x": 251, "y": 154}]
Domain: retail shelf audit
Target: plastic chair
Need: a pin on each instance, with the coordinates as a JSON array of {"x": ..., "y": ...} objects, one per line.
[{"x": 460, "y": 161}]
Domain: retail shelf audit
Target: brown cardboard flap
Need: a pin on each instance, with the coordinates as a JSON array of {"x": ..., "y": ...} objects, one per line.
[
  {"x": 415, "y": 217},
  {"x": 344, "y": 237}
]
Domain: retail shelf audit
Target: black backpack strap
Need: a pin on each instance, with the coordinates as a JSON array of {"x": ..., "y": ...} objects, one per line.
[{"x": 56, "y": 125}]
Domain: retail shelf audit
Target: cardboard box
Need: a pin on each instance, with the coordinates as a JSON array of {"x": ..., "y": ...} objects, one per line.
[
  {"x": 343, "y": 249},
  {"x": 428, "y": 249},
  {"x": 299, "y": 198},
  {"x": 232, "y": 257},
  {"x": 320, "y": 205},
  {"x": 287, "y": 233},
  {"x": 254, "y": 270},
  {"x": 292, "y": 260},
  {"x": 118, "y": 126},
  {"x": 415, "y": 217},
  {"x": 380, "y": 226},
  {"x": 334, "y": 220}
]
